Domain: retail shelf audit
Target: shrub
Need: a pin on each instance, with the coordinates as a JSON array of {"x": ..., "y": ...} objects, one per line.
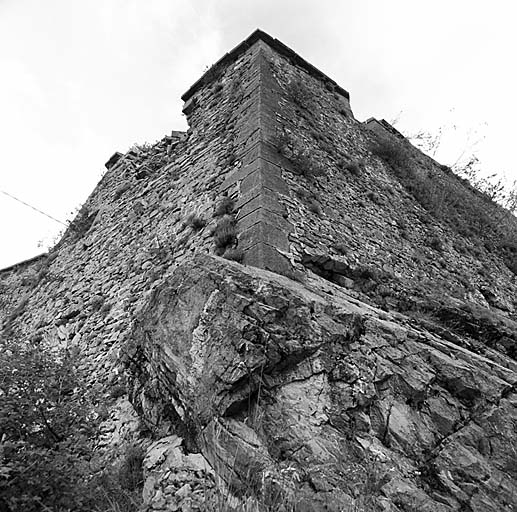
[
  {"x": 195, "y": 221},
  {"x": 45, "y": 423},
  {"x": 48, "y": 436},
  {"x": 224, "y": 232},
  {"x": 225, "y": 206},
  {"x": 130, "y": 475},
  {"x": 393, "y": 152}
]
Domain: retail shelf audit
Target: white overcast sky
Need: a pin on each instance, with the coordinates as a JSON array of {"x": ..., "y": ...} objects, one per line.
[{"x": 82, "y": 79}]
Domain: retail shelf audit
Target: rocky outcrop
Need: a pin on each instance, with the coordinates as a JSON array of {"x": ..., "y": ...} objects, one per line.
[{"x": 297, "y": 393}]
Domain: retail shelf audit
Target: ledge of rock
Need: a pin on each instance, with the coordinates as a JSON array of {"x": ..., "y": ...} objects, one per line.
[{"x": 300, "y": 393}]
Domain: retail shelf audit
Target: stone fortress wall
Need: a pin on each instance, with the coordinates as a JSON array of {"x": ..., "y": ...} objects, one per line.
[
  {"x": 271, "y": 133},
  {"x": 239, "y": 113},
  {"x": 133, "y": 230}
]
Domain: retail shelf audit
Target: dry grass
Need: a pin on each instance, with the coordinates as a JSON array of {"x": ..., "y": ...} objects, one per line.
[{"x": 225, "y": 233}]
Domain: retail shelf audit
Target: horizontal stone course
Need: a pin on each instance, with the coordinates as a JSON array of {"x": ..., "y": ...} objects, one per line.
[
  {"x": 266, "y": 216},
  {"x": 268, "y": 177},
  {"x": 264, "y": 256},
  {"x": 266, "y": 233}
]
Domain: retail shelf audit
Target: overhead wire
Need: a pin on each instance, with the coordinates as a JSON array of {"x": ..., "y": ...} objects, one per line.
[{"x": 33, "y": 208}]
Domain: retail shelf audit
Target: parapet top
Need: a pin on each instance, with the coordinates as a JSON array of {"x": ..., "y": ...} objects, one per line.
[{"x": 276, "y": 45}]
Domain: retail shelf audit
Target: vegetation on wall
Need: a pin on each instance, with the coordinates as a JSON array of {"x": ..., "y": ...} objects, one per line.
[
  {"x": 224, "y": 206},
  {"x": 224, "y": 232},
  {"x": 305, "y": 162},
  {"x": 469, "y": 211},
  {"x": 48, "y": 420},
  {"x": 195, "y": 221},
  {"x": 82, "y": 222}
]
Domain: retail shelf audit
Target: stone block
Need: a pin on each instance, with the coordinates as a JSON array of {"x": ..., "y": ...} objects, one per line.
[
  {"x": 238, "y": 175},
  {"x": 189, "y": 106},
  {"x": 266, "y": 233},
  {"x": 253, "y": 137},
  {"x": 264, "y": 256},
  {"x": 113, "y": 160},
  {"x": 252, "y": 154},
  {"x": 267, "y": 176},
  {"x": 263, "y": 215},
  {"x": 257, "y": 199}
]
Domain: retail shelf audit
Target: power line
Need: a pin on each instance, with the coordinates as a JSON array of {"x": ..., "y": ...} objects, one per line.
[{"x": 33, "y": 208}]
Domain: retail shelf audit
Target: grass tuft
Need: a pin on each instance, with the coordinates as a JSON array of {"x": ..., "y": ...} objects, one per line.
[
  {"x": 224, "y": 206},
  {"x": 224, "y": 232},
  {"x": 195, "y": 221}
]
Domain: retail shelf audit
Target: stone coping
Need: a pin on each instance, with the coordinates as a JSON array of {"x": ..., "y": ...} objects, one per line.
[{"x": 278, "y": 46}]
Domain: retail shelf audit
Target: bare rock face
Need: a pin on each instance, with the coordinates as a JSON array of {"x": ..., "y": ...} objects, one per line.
[{"x": 300, "y": 396}]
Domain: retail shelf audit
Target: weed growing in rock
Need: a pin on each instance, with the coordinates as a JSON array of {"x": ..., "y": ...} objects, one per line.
[
  {"x": 511, "y": 263},
  {"x": 195, "y": 221},
  {"x": 306, "y": 165},
  {"x": 470, "y": 212},
  {"x": 304, "y": 161},
  {"x": 394, "y": 153},
  {"x": 82, "y": 222},
  {"x": 96, "y": 302},
  {"x": 224, "y": 206},
  {"x": 119, "y": 191},
  {"x": 130, "y": 473},
  {"x": 224, "y": 232}
]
